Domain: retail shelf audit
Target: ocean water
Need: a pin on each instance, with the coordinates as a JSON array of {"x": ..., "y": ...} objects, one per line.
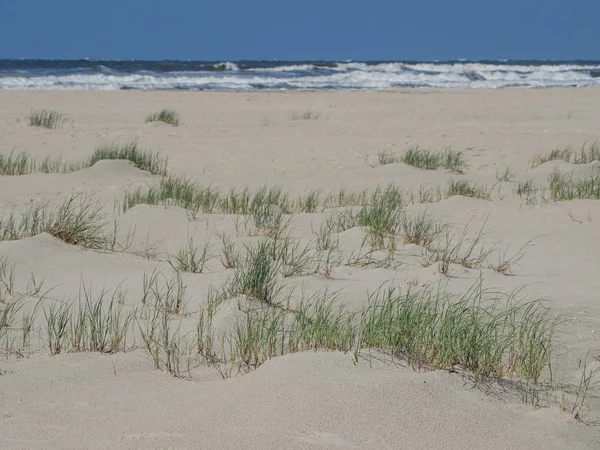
[{"x": 280, "y": 75}]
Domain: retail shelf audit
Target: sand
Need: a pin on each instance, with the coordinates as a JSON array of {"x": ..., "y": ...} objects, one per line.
[{"x": 308, "y": 399}]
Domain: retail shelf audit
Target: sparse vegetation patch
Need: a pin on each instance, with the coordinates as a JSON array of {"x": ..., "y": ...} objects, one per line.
[
  {"x": 130, "y": 151},
  {"x": 585, "y": 155},
  {"x": 307, "y": 115},
  {"x": 467, "y": 189},
  {"x": 167, "y": 116},
  {"x": 564, "y": 187},
  {"x": 434, "y": 160},
  {"x": 45, "y": 118}
]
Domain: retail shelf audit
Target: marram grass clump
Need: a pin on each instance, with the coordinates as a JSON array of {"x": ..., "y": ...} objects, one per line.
[
  {"x": 24, "y": 164},
  {"x": 489, "y": 334},
  {"x": 386, "y": 157},
  {"x": 565, "y": 187},
  {"x": 432, "y": 160},
  {"x": 78, "y": 220},
  {"x": 131, "y": 151},
  {"x": 467, "y": 189},
  {"x": 16, "y": 164},
  {"x": 46, "y": 118},
  {"x": 585, "y": 155},
  {"x": 166, "y": 115}
]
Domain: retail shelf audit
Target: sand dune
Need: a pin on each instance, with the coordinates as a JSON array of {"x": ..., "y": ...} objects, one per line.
[{"x": 309, "y": 399}]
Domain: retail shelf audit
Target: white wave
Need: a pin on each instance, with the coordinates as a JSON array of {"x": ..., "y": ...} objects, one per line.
[
  {"x": 227, "y": 66},
  {"x": 291, "y": 68},
  {"x": 478, "y": 67},
  {"x": 344, "y": 76}
]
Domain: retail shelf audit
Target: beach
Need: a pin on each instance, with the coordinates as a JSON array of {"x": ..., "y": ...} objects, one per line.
[{"x": 503, "y": 221}]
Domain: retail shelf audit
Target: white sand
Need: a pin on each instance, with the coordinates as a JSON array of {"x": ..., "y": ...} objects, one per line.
[{"x": 307, "y": 400}]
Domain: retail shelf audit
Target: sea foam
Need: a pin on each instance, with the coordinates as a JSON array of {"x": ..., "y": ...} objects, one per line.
[{"x": 274, "y": 75}]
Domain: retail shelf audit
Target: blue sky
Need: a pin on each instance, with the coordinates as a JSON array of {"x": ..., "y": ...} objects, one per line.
[{"x": 301, "y": 29}]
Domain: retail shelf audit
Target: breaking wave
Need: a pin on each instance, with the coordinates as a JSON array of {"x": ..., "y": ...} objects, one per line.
[{"x": 305, "y": 75}]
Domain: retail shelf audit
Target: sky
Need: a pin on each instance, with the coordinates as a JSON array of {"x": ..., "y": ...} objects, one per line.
[{"x": 229, "y": 30}]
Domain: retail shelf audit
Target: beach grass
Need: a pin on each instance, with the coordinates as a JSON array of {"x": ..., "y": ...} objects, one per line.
[
  {"x": 45, "y": 118},
  {"x": 426, "y": 194},
  {"x": 257, "y": 274},
  {"x": 230, "y": 256},
  {"x": 505, "y": 176},
  {"x": 167, "y": 116},
  {"x": 489, "y": 334},
  {"x": 164, "y": 342},
  {"x": 585, "y": 155},
  {"x": 525, "y": 188},
  {"x": 19, "y": 164},
  {"x": 184, "y": 192},
  {"x": 167, "y": 293},
  {"x": 467, "y": 189},
  {"x": 58, "y": 321},
  {"x": 191, "y": 257},
  {"x": 555, "y": 155},
  {"x": 24, "y": 164},
  {"x": 527, "y": 191},
  {"x": 421, "y": 229},
  {"x": 311, "y": 202},
  {"x": 505, "y": 261},
  {"x": 297, "y": 257},
  {"x": 566, "y": 187},
  {"x": 324, "y": 235},
  {"x": 130, "y": 151},
  {"x": 485, "y": 332},
  {"x": 101, "y": 323},
  {"x": 7, "y": 278},
  {"x": 386, "y": 157},
  {"x": 434, "y": 160},
  {"x": 78, "y": 220},
  {"x": 463, "y": 248},
  {"x": 382, "y": 214}
]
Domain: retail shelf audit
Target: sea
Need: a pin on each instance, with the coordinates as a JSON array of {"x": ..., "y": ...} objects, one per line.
[{"x": 95, "y": 74}]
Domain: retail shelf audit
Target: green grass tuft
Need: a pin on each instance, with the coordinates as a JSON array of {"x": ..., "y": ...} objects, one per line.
[
  {"x": 467, "y": 189},
  {"x": 386, "y": 157},
  {"x": 585, "y": 155},
  {"x": 382, "y": 214},
  {"x": 563, "y": 187},
  {"x": 491, "y": 335},
  {"x": 528, "y": 191},
  {"x": 430, "y": 160},
  {"x": 19, "y": 164},
  {"x": 24, "y": 164},
  {"x": 143, "y": 159},
  {"x": 166, "y": 115},
  {"x": 45, "y": 118},
  {"x": 78, "y": 221},
  {"x": 421, "y": 229},
  {"x": 555, "y": 155},
  {"x": 504, "y": 176},
  {"x": 191, "y": 258},
  {"x": 257, "y": 274}
]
